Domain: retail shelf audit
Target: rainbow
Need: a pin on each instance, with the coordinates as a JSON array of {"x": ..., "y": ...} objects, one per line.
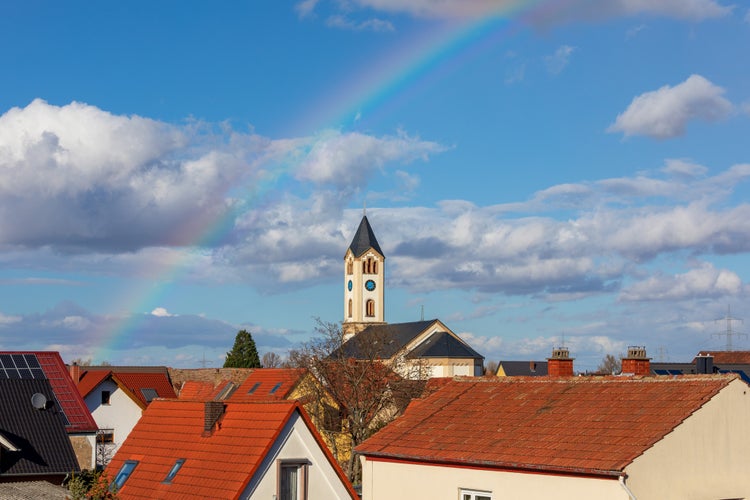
[{"x": 374, "y": 92}]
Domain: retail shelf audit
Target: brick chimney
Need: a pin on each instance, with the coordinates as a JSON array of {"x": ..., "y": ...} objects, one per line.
[
  {"x": 213, "y": 410},
  {"x": 636, "y": 362},
  {"x": 560, "y": 364},
  {"x": 75, "y": 372}
]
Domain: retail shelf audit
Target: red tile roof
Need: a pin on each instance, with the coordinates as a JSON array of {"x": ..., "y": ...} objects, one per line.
[
  {"x": 217, "y": 465},
  {"x": 578, "y": 425},
  {"x": 65, "y": 391},
  {"x": 727, "y": 357},
  {"x": 132, "y": 381},
  {"x": 197, "y": 390},
  {"x": 268, "y": 384}
]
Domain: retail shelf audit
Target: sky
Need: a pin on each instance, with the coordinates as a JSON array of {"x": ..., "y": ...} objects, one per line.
[{"x": 538, "y": 173}]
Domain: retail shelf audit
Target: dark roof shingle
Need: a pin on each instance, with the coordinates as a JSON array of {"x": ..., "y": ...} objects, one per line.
[{"x": 364, "y": 239}]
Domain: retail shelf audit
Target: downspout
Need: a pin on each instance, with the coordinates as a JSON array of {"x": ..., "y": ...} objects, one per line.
[{"x": 625, "y": 487}]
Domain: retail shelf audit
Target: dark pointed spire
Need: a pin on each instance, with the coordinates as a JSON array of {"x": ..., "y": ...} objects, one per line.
[{"x": 364, "y": 239}]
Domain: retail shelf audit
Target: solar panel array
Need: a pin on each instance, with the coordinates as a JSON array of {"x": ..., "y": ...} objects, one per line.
[{"x": 20, "y": 366}]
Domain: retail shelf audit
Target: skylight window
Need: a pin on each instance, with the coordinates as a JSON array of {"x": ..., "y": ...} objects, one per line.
[
  {"x": 149, "y": 394},
  {"x": 125, "y": 471},
  {"x": 253, "y": 388},
  {"x": 275, "y": 388},
  {"x": 173, "y": 471}
]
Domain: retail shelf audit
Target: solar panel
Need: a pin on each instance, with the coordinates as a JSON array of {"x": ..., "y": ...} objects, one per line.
[{"x": 23, "y": 366}]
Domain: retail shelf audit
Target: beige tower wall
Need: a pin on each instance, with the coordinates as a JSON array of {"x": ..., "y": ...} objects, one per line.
[{"x": 359, "y": 295}]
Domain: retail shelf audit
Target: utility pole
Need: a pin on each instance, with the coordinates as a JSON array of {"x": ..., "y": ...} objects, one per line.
[
  {"x": 729, "y": 332},
  {"x": 204, "y": 362}
]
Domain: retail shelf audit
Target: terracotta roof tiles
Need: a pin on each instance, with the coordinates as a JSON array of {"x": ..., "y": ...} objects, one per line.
[
  {"x": 268, "y": 384},
  {"x": 589, "y": 425},
  {"x": 218, "y": 464}
]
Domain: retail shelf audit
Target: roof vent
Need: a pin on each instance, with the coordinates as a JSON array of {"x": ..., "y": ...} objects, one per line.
[{"x": 39, "y": 401}]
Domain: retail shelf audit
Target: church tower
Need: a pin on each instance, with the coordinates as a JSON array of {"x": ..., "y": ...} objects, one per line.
[{"x": 364, "y": 280}]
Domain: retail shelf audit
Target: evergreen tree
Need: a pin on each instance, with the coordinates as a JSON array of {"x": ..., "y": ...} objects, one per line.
[{"x": 244, "y": 353}]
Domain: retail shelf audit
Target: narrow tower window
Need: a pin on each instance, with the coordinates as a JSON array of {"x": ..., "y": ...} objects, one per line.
[
  {"x": 370, "y": 306},
  {"x": 350, "y": 308},
  {"x": 349, "y": 267}
]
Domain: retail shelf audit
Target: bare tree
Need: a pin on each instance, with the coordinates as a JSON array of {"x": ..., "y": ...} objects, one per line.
[
  {"x": 271, "y": 360},
  {"x": 610, "y": 364},
  {"x": 490, "y": 368},
  {"x": 369, "y": 386}
]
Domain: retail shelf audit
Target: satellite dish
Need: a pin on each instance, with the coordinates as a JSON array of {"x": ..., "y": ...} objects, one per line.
[{"x": 39, "y": 401}]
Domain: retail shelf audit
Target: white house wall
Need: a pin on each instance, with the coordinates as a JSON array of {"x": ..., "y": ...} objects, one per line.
[
  {"x": 383, "y": 480},
  {"x": 296, "y": 442},
  {"x": 121, "y": 414},
  {"x": 703, "y": 458}
]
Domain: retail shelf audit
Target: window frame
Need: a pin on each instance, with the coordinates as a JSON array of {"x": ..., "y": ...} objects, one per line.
[
  {"x": 174, "y": 470},
  {"x": 127, "y": 469},
  {"x": 302, "y": 466},
  {"x": 474, "y": 494}
]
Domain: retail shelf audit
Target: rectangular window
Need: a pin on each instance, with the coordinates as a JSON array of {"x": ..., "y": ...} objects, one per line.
[
  {"x": 275, "y": 388},
  {"x": 254, "y": 388},
  {"x": 465, "y": 494},
  {"x": 125, "y": 471},
  {"x": 105, "y": 397},
  {"x": 292, "y": 480},
  {"x": 105, "y": 436}
]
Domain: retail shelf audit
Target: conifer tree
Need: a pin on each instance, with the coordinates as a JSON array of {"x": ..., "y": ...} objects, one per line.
[{"x": 244, "y": 354}]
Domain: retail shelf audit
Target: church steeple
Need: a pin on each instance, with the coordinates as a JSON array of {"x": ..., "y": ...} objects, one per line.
[{"x": 364, "y": 279}]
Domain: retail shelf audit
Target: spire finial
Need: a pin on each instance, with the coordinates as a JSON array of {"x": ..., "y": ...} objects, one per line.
[{"x": 364, "y": 208}]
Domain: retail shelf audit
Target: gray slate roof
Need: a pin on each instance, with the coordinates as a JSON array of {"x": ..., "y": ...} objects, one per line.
[
  {"x": 444, "y": 345},
  {"x": 524, "y": 368},
  {"x": 384, "y": 341},
  {"x": 32, "y": 490},
  {"x": 364, "y": 239},
  {"x": 40, "y": 435}
]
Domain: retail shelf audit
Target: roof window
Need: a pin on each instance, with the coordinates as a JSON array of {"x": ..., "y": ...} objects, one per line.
[
  {"x": 149, "y": 394},
  {"x": 173, "y": 471},
  {"x": 125, "y": 471},
  {"x": 254, "y": 388},
  {"x": 275, "y": 388}
]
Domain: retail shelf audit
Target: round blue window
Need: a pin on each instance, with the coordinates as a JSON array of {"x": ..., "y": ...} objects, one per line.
[
  {"x": 370, "y": 285},
  {"x": 349, "y": 286}
]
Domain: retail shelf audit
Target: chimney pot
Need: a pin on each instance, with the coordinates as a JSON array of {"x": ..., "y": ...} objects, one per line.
[
  {"x": 637, "y": 362},
  {"x": 560, "y": 364}
]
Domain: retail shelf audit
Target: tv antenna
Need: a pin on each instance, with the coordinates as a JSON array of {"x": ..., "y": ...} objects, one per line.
[{"x": 729, "y": 332}]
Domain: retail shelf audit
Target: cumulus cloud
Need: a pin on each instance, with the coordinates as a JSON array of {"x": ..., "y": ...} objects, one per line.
[
  {"x": 78, "y": 178},
  {"x": 665, "y": 113},
  {"x": 161, "y": 312},
  {"x": 347, "y": 160},
  {"x": 704, "y": 281}
]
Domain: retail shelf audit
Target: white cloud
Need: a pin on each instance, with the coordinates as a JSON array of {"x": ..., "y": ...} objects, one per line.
[
  {"x": 306, "y": 7},
  {"x": 349, "y": 159},
  {"x": 559, "y": 60},
  {"x": 161, "y": 313},
  {"x": 343, "y": 22},
  {"x": 665, "y": 113},
  {"x": 7, "y": 320},
  {"x": 704, "y": 281},
  {"x": 683, "y": 168}
]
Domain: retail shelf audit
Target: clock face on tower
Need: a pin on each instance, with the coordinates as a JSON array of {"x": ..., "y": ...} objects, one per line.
[
  {"x": 370, "y": 285},
  {"x": 349, "y": 285}
]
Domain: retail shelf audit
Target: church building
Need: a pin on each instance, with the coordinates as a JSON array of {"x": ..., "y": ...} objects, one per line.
[{"x": 428, "y": 345}]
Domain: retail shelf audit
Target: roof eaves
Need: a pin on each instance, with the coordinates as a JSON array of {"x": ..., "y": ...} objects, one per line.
[
  {"x": 128, "y": 392},
  {"x": 510, "y": 466}
]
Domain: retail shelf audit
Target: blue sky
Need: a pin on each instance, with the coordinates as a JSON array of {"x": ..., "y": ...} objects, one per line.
[{"x": 171, "y": 172}]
